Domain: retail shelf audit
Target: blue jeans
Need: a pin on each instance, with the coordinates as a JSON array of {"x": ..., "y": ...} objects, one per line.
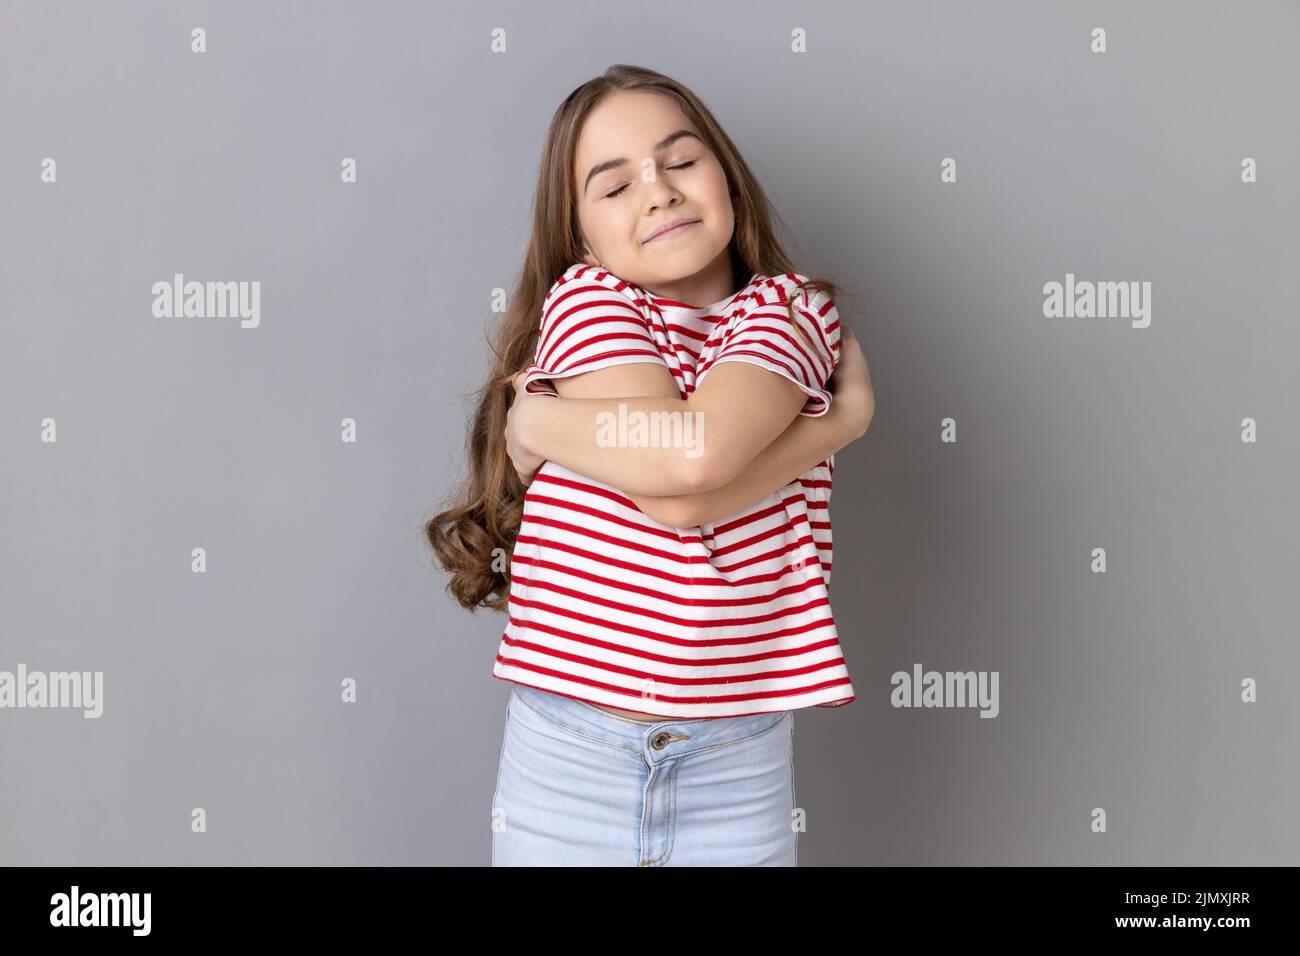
[{"x": 577, "y": 786}]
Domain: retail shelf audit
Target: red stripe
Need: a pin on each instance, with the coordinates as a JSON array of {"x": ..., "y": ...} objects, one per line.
[
  {"x": 669, "y": 595},
  {"x": 599, "y": 360},
  {"x": 768, "y": 555},
  {"x": 780, "y": 507},
  {"x": 555, "y": 331},
  {"x": 680, "y": 535},
  {"x": 612, "y": 539},
  {"x": 817, "y": 325},
  {"x": 552, "y": 340},
  {"x": 624, "y": 542},
  {"x": 770, "y": 695},
  {"x": 767, "y": 349},
  {"x": 586, "y": 598},
  {"x": 818, "y": 367},
  {"x": 684, "y": 332},
  {"x": 782, "y": 321},
  {"x": 668, "y": 659},
  {"x": 570, "y": 613},
  {"x": 665, "y": 555},
  {"x": 752, "y": 540},
  {"x": 652, "y": 572},
  {"x": 662, "y": 532}
]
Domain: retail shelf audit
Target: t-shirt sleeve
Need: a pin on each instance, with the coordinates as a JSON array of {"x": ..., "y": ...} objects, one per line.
[
  {"x": 765, "y": 336},
  {"x": 587, "y": 324}
]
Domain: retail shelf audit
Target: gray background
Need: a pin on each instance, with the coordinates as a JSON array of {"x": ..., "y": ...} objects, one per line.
[{"x": 1118, "y": 690}]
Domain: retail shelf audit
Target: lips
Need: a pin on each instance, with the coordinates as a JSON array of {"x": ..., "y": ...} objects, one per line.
[{"x": 671, "y": 228}]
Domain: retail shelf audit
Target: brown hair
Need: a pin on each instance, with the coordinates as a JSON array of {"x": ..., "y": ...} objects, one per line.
[{"x": 483, "y": 514}]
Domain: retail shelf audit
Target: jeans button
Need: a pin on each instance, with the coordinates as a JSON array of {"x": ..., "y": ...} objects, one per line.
[{"x": 660, "y": 740}]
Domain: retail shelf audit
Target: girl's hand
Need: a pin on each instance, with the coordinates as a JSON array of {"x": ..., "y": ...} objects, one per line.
[
  {"x": 850, "y": 386},
  {"x": 525, "y": 462}
]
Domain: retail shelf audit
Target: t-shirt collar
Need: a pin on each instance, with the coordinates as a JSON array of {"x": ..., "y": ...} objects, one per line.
[{"x": 713, "y": 308}]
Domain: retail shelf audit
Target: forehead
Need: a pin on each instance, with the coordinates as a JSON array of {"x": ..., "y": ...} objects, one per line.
[{"x": 626, "y": 125}]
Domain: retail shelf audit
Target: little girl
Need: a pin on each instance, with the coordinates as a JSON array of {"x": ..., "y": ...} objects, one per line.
[{"x": 653, "y": 455}]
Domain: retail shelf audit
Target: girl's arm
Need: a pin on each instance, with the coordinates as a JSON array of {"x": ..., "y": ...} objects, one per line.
[
  {"x": 803, "y": 444},
  {"x": 765, "y": 366},
  {"x": 734, "y": 414}
]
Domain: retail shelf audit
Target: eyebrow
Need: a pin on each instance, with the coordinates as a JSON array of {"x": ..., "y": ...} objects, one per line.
[{"x": 612, "y": 163}]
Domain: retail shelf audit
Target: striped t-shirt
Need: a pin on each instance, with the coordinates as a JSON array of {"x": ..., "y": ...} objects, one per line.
[{"x": 725, "y": 619}]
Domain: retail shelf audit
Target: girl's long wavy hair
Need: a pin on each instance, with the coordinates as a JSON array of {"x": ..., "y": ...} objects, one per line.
[{"x": 472, "y": 538}]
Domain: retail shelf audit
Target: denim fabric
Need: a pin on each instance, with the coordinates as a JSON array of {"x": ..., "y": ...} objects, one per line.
[{"x": 578, "y": 786}]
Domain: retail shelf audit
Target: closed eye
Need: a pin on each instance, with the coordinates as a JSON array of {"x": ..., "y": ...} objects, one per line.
[{"x": 624, "y": 186}]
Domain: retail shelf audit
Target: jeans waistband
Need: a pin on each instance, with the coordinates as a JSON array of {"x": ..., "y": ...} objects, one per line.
[{"x": 684, "y": 735}]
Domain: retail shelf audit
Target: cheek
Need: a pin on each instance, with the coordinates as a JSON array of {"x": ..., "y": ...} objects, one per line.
[
  {"x": 596, "y": 224},
  {"x": 717, "y": 176},
  {"x": 718, "y": 193}
]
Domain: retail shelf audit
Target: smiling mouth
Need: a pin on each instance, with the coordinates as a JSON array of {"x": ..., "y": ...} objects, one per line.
[{"x": 675, "y": 230}]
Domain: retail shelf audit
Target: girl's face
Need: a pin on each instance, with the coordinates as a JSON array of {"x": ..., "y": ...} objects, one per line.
[{"x": 636, "y": 171}]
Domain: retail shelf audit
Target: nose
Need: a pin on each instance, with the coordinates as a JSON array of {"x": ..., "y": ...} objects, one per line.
[{"x": 664, "y": 196}]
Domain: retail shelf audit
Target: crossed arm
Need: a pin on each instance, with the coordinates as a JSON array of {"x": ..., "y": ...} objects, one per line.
[{"x": 754, "y": 442}]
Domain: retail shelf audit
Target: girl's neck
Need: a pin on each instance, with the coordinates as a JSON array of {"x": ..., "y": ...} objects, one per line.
[{"x": 713, "y": 283}]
